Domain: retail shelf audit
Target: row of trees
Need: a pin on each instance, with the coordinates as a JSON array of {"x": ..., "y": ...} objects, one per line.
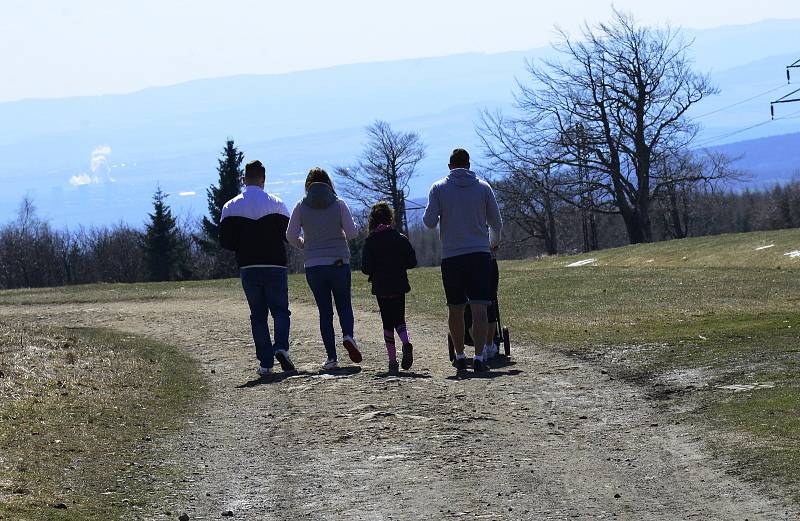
[
  {"x": 702, "y": 211},
  {"x": 34, "y": 254}
]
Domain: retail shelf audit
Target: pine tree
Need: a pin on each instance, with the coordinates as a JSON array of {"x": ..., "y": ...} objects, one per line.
[
  {"x": 162, "y": 243},
  {"x": 230, "y": 184}
]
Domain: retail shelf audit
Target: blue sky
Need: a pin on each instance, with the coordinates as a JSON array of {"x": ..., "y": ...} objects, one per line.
[{"x": 88, "y": 47}]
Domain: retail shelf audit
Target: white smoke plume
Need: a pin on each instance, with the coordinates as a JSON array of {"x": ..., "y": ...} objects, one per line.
[
  {"x": 82, "y": 179},
  {"x": 99, "y": 166}
]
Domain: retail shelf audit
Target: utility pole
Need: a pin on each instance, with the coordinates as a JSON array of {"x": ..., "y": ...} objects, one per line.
[{"x": 793, "y": 96}]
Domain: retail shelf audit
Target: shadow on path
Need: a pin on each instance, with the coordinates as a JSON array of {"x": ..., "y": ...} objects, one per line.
[
  {"x": 402, "y": 374},
  {"x": 342, "y": 372},
  {"x": 468, "y": 375},
  {"x": 271, "y": 379}
]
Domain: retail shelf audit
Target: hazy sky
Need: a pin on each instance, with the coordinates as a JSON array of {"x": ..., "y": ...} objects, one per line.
[{"x": 54, "y": 48}]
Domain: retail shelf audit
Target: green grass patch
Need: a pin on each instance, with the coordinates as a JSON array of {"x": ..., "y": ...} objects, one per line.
[
  {"x": 109, "y": 293},
  {"x": 742, "y": 250},
  {"x": 770, "y": 420},
  {"x": 81, "y": 411}
]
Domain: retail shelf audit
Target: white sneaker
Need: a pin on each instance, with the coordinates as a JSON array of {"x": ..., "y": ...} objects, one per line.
[
  {"x": 264, "y": 371},
  {"x": 330, "y": 365}
]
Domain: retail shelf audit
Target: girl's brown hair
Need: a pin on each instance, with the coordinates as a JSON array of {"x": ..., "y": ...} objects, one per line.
[
  {"x": 381, "y": 213},
  {"x": 318, "y": 175}
]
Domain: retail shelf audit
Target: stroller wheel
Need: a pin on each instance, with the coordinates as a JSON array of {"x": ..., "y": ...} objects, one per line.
[
  {"x": 506, "y": 342},
  {"x": 450, "y": 349}
]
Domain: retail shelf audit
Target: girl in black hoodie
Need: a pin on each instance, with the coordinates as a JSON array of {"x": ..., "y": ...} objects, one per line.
[{"x": 386, "y": 257}]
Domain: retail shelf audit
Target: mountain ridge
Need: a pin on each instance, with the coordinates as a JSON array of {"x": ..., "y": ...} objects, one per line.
[{"x": 172, "y": 135}]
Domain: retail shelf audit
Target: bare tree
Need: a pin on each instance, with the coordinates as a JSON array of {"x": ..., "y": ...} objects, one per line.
[
  {"x": 609, "y": 109},
  {"x": 525, "y": 182},
  {"x": 683, "y": 173},
  {"x": 384, "y": 170}
]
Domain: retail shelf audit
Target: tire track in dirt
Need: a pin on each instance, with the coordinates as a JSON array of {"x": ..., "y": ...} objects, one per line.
[{"x": 543, "y": 438}]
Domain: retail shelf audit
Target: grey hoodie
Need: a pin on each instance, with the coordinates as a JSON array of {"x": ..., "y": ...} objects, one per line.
[
  {"x": 326, "y": 224},
  {"x": 466, "y": 211}
]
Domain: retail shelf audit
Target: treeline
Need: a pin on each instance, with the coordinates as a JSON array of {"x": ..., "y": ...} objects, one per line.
[
  {"x": 34, "y": 254},
  {"x": 695, "y": 213}
]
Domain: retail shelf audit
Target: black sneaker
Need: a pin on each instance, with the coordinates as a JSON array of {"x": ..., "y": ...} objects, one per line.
[
  {"x": 460, "y": 364},
  {"x": 352, "y": 349},
  {"x": 286, "y": 363},
  {"x": 480, "y": 366},
  {"x": 408, "y": 356},
  {"x": 394, "y": 368}
]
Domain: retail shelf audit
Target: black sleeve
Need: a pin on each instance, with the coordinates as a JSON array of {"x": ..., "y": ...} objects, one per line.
[
  {"x": 411, "y": 255},
  {"x": 229, "y": 234},
  {"x": 366, "y": 261},
  {"x": 282, "y": 225}
]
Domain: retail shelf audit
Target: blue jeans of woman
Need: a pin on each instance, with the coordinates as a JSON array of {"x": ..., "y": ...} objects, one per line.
[{"x": 326, "y": 282}]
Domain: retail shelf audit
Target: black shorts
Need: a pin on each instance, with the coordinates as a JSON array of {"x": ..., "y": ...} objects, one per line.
[
  {"x": 393, "y": 311},
  {"x": 468, "y": 278},
  {"x": 492, "y": 310}
]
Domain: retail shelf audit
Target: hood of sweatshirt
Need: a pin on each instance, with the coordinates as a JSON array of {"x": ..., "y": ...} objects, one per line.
[
  {"x": 319, "y": 196},
  {"x": 462, "y": 177}
]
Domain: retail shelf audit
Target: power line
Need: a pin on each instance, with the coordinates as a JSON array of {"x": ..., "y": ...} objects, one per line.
[
  {"x": 742, "y": 102},
  {"x": 708, "y": 141},
  {"x": 787, "y": 98},
  {"x": 784, "y": 99},
  {"x": 795, "y": 65}
]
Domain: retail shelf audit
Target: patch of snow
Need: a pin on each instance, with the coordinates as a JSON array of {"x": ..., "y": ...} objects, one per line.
[
  {"x": 584, "y": 262},
  {"x": 793, "y": 254},
  {"x": 765, "y": 247},
  {"x": 747, "y": 387}
]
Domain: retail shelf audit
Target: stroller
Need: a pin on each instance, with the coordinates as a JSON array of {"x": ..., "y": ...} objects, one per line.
[{"x": 501, "y": 336}]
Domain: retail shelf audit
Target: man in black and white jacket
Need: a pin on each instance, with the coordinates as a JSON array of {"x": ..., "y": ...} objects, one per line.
[{"x": 254, "y": 226}]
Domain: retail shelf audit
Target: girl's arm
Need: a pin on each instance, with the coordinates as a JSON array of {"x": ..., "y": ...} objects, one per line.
[
  {"x": 366, "y": 260},
  {"x": 411, "y": 255}
]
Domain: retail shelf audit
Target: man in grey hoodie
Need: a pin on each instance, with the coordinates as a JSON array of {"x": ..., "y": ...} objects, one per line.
[{"x": 470, "y": 225}]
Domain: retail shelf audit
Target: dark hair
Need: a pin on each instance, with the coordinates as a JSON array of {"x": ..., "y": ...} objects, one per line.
[
  {"x": 459, "y": 158},
  {"x": 318, "y": 175},
  {"x": 254, "y": 170},
  {"x": 381, "y": 213}
]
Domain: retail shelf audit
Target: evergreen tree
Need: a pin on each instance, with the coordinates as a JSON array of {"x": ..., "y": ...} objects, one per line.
[
  {"x": 230, "y": 184},
  {"x": 162, "y": 242}
]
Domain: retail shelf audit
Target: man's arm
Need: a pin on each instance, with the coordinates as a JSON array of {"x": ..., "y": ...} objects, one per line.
[
  {"x": 293, "y": 229},
  {"x": 228, "y": 231},
  {"x": 493, "y": 218},
  {"x": 433, "y": 211}
]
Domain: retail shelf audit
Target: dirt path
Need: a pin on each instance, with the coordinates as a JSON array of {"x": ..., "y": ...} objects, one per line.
[{"x": 544, "y": 438}]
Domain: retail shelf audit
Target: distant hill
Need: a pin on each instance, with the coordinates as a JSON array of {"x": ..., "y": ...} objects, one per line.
[
  {"x": 769, "y": 160},
  {"x": 98, "y": 159}
]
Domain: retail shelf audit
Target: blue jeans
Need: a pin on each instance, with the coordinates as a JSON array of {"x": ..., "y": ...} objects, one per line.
[
  {"x": 325, "y": 281},
  {"x": 267, "y": 291}
]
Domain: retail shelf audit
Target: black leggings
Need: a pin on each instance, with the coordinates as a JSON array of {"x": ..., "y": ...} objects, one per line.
[{"x": 393, "y": 311}]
